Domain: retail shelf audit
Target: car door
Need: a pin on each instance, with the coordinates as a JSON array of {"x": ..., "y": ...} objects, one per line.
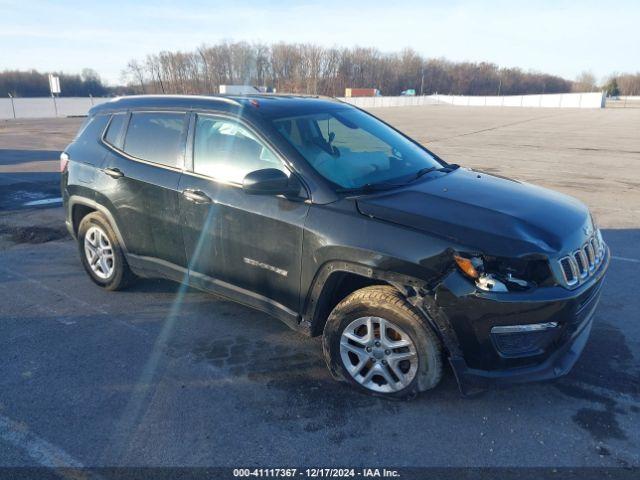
[
  {"x": 247, "y": 247},
  {"x": 140, "y": 177}
]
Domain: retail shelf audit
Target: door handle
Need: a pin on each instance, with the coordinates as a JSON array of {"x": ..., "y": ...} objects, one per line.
[
  {"x": 196, "y": 196},
  {"x": 113, "y": 172}
]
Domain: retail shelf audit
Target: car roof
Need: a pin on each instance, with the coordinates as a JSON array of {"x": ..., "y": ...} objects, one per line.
[{"x": 268, "y": 105}]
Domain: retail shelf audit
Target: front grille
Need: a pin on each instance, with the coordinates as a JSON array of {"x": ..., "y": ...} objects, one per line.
[{"x": 582, "y": 263}]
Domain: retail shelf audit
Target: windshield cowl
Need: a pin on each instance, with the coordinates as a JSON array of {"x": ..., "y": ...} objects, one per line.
[{"x": 383, "y": 186}]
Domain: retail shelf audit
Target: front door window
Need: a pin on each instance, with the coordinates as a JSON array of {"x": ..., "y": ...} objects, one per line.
[{"x": 226, "y": 151}]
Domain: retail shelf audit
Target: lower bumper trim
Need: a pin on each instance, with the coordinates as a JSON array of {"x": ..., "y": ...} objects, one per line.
[
  {"x": 533, "y": 327},
  {"x": 560, "y": 363}
]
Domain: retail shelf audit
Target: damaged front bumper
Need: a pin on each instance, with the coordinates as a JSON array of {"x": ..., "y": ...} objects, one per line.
[{"x": 501, "y": 338}]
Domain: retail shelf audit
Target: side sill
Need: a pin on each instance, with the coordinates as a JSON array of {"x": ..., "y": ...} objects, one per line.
[{"x": 154, "y": 267}]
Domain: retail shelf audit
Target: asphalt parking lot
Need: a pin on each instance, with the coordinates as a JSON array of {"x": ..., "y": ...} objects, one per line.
[{"x": 160, "y": 375}]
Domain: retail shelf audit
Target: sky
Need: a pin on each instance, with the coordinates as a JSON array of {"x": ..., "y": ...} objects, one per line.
[{"x": 559, "y": 37}]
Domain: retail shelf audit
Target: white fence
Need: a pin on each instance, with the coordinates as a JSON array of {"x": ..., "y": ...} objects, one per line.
[
  {"x": 47, "y": 107},
  {"x": 375, "y": 102},
  {"x": 556, "y": 100}
]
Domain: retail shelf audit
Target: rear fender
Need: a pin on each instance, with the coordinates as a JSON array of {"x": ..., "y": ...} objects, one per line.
[{"x": 78, "y": 200}]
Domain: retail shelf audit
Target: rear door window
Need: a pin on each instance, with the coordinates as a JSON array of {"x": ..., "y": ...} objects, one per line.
[{"x": 155, "y": 137}]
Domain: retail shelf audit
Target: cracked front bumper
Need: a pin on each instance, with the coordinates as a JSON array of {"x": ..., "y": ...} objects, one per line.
[{"x": 479, "y": 320}]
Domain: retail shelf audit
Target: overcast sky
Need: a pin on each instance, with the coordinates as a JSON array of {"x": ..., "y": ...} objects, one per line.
[{"x": 559, "y": 37}]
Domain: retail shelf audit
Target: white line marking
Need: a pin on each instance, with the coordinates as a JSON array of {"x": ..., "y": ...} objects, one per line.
[
  {"x": 41, "y": 285},
  {"x": 44, "y": 453},
  {"x": 73, "y": 299},
  {"x": 44, "y": 201},
  {"x": 625, "y": 259}
]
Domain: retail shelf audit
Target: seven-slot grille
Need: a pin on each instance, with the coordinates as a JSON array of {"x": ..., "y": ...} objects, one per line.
[{"x": 581, "y": 264}]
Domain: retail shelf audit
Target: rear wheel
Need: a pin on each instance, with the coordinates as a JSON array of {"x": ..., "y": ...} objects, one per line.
[
  {"x": 376, "y": 340},
  {"x": 101, "y": 254}
]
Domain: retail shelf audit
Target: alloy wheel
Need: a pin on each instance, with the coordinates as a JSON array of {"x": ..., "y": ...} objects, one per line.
[
  {"x": 378, "y": 354},
  {"x": 99, "y": 252}
]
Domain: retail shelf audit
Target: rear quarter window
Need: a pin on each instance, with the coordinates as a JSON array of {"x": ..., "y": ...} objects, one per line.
[
  {"x": 113, "y": 136},
  {"x": 91, "y": 130},
  {"x": 155, "y": 136}
]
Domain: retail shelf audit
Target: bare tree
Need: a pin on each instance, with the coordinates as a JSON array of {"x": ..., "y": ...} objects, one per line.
[
  {"x": 585, "y": 82},
  {"x": 629, "y": 83},
  {"x": 308, "y": 68},
  {"x": 133, "y": 74}
]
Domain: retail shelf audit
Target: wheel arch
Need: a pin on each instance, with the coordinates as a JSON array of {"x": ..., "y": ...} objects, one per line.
[
  {"x": 81, "y": 206},
  {"x": 336, "y": 280}
]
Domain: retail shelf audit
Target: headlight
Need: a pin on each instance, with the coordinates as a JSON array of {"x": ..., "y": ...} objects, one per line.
[{"x": 495, "y": 275}]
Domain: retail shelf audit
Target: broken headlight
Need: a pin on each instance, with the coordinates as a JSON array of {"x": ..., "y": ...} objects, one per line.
[{"x": 495, "y": 274}]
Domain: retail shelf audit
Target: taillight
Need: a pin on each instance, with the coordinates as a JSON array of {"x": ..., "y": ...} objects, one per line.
[{"x": 64, "y": 161}]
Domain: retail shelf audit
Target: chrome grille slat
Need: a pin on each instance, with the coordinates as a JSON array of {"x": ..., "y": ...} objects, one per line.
[
  {"x": 569, "y": 270},
  {"x": 594, "y": 246},
  {"x": 583, "y": 262},
  {"x": 590, "y": 254}
]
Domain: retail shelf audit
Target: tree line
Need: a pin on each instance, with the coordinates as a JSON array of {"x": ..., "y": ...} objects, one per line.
[
  {"x": 313, "y": 69},
  {"x": 36, "y": 84},
  {"x": 308, "y": 68},
  {"x": 623, "y": 84}
]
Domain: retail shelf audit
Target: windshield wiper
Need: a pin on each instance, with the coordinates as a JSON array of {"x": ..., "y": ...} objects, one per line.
[
  {"x": 369, "y": 187},
  {"x": 377, "y": 187},
  {"x": 423, "y": 171}
]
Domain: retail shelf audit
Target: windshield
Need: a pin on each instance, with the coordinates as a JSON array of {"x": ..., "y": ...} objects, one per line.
[{"x": 353, "y": 149}]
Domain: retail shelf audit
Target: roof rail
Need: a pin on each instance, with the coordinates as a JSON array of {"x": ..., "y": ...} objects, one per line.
[
  {"x": 282, "y": 95},
  {"x": 222, "y": 98}
]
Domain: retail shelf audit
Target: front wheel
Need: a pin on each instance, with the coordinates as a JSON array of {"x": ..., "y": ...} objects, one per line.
[{"x": 377, "y": 341}]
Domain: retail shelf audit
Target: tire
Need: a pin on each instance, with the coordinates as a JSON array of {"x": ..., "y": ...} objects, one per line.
[
  {"x": 365, "y": 311},
  {"x": 114, "y": 274}
]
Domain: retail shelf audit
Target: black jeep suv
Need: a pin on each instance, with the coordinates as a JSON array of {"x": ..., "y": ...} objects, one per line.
[{"x": 324, "y": 216}]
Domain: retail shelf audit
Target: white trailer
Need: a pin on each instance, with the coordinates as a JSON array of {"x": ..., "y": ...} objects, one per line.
[{"x": 239, "y": 89}]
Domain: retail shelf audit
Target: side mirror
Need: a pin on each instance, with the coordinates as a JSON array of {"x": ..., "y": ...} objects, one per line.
[{"x": 269, "y": 181}]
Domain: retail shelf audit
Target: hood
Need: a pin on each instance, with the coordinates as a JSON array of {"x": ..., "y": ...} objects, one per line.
[{"x": 494, "y": 215}]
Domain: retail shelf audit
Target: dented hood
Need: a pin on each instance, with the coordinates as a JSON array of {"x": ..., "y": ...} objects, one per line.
[{"x": 491, "y": 214}]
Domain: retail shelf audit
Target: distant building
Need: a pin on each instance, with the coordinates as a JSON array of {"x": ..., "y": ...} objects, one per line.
[{"x": 361, "y": 92}]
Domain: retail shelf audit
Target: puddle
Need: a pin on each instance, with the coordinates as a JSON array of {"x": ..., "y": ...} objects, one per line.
[
  {"x": 602, "y": 424},
  {"x": 608, "y": 362}
]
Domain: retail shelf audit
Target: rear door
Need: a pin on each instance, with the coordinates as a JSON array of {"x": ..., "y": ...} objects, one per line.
[
  {"x": 248, "y": 247},
  {"x": 140, "y": 178}
]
